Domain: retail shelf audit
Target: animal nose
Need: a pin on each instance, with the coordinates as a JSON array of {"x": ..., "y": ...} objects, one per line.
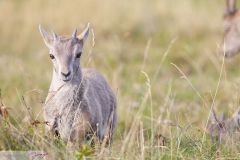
[{"x": 66, "y": 74}]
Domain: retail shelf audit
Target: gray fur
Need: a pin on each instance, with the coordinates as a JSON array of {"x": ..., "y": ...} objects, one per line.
[
  {"x": 81, "y": 102},
  {"x": 231, "y": 29},
  {"x": 223, "y": 129}
]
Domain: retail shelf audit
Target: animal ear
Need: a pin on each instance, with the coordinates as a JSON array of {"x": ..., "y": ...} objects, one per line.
[
  {"x": 48, "y": 38},
  {"x": 74, "y": 34},
  {"x": 84, "y": 35},
  {"x": 230, "y": 7},
  {"x": 222, "y": 117},
  {"x": 236, "y": 117},
  {"x": 213, "y": 117}
]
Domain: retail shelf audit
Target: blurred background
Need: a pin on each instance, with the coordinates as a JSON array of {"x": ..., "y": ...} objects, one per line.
[{"x": 142, "y": 47}]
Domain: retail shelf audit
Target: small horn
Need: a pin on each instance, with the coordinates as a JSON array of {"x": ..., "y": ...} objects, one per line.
[
  {"x": 55, "y": 36},
  {"x": 74, "y": 35}
]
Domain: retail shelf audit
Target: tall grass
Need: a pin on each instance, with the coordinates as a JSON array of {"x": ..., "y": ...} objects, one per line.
[{"x": 161, "y": 58}]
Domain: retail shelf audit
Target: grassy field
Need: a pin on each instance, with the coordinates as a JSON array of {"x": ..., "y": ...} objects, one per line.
[{"x": 161, "y": 58}]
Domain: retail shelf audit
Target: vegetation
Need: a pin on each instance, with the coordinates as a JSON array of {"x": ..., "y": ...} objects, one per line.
[{"x": 161, "y": 57}]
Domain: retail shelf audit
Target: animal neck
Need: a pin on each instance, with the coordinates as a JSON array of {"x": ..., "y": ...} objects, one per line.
[{"x": 57, "y": 83}]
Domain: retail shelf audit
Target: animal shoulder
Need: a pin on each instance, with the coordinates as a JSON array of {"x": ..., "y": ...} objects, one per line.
[{"x": 90, "y": 74}]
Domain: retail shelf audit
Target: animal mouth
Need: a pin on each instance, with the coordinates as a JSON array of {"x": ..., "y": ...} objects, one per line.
[{"x": 66, "y": 80}]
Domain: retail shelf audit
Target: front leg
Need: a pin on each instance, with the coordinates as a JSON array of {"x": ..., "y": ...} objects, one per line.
[
  {"x": 80, "y": 128},
  {"x": 54, "y": 127},
  {"x": 51, "y": 123}
]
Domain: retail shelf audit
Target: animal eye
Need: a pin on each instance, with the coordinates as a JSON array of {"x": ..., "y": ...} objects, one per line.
[
  {"x": 51, "y": 56},
  {"x": 78, "y": 55}
]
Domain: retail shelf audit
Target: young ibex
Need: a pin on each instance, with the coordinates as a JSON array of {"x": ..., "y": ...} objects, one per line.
[
  {"x": 231, "y": 29},
  {"x": 80, "y": 101},
  {"x": 224, "y": 130}
]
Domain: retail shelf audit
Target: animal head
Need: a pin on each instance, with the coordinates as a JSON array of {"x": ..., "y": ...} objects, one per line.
[
  {"x": 217, "y": 124},
  {"x": 217, "y": 127},
  {"x": 221, "y": 128},
  {"x": 65, "y": 52},
  {"x": 231, "y": 29}
]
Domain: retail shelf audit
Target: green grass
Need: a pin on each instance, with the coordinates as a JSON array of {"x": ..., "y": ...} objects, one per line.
[{"x": 143, "y": 48}]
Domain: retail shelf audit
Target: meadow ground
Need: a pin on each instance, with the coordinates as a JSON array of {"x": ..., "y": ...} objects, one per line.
[{"x": 161, "y": 58}]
